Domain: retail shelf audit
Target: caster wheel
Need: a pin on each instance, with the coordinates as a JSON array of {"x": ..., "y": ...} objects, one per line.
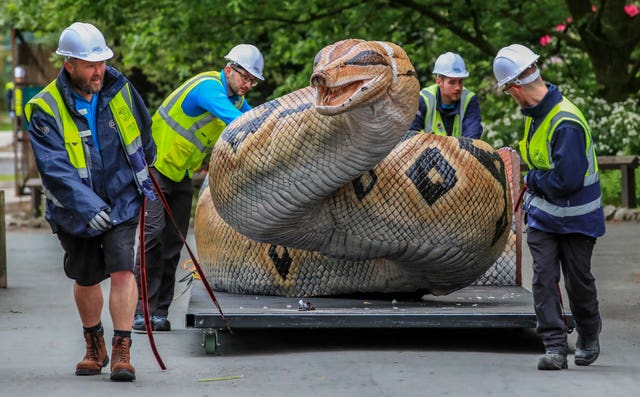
[{"x": 210, "y": 341}]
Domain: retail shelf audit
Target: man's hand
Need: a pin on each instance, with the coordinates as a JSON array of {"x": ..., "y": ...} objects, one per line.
[{"x": 100, "y": 222}]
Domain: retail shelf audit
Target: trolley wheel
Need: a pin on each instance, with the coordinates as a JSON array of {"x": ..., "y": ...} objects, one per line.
[{"x": 210, "y": 341}]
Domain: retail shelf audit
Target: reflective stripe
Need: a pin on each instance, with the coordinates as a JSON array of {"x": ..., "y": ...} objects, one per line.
[
  {"x": 561, "y": 212},
  {"x": 591, "y": 179},
  {"x": 51, "y": 197},
  {"x": 142, "y": 175},
  {"x": 183, "y": 132}
]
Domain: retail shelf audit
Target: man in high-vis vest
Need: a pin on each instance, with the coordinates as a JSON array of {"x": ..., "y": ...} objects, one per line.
[
  {"x": 446, "y": 107},
  {"x": 185, "y": 128},
  {"x": 91, "y": 135},
  {"x": 18, "y": 84},
  {"x": 13, "y": 91},
  {"x": 563, "y": 204},
  {"x": 8, "y": 89}
]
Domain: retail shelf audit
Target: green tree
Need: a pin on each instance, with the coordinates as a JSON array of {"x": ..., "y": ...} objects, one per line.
[{"x": 162, "y": 42}]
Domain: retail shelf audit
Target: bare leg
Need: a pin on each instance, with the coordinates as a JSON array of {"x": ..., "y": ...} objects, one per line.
[
  {"x": 123, "y": 299},
  {"x": 89, "y": 302}
]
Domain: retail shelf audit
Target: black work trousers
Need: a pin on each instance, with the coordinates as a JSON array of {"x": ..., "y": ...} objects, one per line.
[
  {"x": 552, "y": 252},
  {"x": 163, "y": 244}
]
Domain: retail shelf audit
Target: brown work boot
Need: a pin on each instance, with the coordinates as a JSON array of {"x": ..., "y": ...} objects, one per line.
[
  {"x": 95, "y": 357},
  {"x": 121, "y": 369}
]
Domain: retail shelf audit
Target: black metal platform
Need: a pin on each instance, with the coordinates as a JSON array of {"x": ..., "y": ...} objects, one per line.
[{"x": 471, "y": 307}]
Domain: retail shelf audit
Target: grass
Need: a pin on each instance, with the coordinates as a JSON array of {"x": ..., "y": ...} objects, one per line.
[
  {"x": 5, "y": 123},
  {"x": 611, "y": 189}
]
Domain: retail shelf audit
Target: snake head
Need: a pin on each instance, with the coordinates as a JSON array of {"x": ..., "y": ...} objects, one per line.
[{"x": 352, "y": 73}]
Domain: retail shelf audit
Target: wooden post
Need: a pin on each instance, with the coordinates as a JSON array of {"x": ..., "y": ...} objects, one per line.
[
  {"x": 628, "y": 189},
  {"x": 3, "y": 244}
]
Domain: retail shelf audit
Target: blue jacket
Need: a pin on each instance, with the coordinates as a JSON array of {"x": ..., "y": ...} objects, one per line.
[
  {"x": 565, "y": 182},
  {"x": 112, "y": 185},
  {"x": 471, "y": 124}
]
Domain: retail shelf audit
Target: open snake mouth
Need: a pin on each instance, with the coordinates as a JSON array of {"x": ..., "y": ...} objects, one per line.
[{"x": 337, "y": 96}]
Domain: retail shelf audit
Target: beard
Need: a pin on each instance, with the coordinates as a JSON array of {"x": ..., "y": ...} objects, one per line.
[{"x": 87, "y": 86}]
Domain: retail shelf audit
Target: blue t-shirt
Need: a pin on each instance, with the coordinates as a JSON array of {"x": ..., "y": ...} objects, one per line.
[
  {"x": 209, "y": 96},
  {"x": 89, "y": 111}
]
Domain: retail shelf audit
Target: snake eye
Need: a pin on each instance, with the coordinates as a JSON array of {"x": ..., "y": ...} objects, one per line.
[{"x": 317, "y": 59}]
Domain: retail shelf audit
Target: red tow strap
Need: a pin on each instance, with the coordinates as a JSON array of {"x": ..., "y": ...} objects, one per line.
[
  {"x": 143, "y": 270},
  {"x": 520, "y": 196},
  {"x": 144, "y": 292}
]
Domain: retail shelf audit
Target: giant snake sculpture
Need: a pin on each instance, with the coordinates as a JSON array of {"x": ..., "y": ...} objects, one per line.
[{"x": 323, "y": 191}]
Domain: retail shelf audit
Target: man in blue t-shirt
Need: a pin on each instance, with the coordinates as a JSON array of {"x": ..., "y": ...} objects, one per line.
[{"x": 185, "y": 129}]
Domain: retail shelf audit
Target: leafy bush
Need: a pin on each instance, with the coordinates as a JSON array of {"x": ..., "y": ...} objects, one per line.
[
  {"x": 611, "y": 190},
  {"x": 614, "y": 126}
]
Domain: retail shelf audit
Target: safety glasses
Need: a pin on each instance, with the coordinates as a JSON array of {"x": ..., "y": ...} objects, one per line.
[{"x": 246, "y": 78}]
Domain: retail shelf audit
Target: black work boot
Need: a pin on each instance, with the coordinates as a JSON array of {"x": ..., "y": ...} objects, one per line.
[
  {"x": 552, "y": 360},
  {"x": 95, "y": 358},
  {"x": 587, "y": 350},
  {"x": 160, "y": 323},
  {"x": 138, "y": 323}
]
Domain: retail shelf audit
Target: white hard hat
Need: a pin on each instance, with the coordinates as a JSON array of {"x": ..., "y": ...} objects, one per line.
[
  {"x": 19, "y": 72},
  {"x": 451, "y": 65},
  {"x": 511, "y": 61},
  {"x": 83, "y": 41},
  {"x": 249, "y": 57}
]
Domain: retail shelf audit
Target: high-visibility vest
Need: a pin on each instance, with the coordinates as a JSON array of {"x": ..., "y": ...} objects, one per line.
[
  {"x": 183, "y": 141},
  {"x": 17, "y": 101},
  {"x": 536, "y": 152},
  {"x": 433, "y": 119},
  {"x": 51, "y": 102}
]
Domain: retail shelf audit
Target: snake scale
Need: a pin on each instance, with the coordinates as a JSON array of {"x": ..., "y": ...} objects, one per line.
[{"x": 323, "y": 191}]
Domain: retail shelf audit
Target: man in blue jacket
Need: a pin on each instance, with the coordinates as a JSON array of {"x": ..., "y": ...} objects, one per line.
[
  {"x": 563, "y": 205},
  {"x": 446, "y": 107},
  {"x": 91, "y": 136}
]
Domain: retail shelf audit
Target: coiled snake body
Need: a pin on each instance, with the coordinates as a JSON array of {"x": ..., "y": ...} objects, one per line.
[{"x": 323, "y": 191}]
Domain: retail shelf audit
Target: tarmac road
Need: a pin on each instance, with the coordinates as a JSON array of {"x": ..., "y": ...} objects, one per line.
[{"x": 40, "y": 342}]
